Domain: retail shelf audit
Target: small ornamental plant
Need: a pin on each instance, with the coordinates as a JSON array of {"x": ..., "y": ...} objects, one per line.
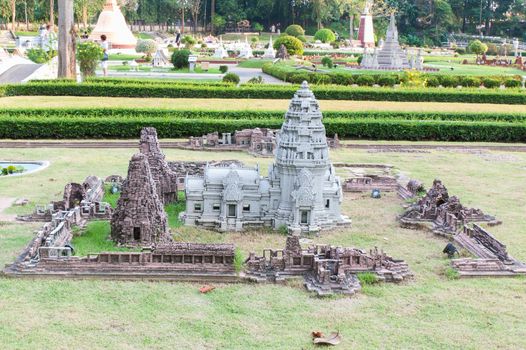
[{"x": 88, "y": 55}]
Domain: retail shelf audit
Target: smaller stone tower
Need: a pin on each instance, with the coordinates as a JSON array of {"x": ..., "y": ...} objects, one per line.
[
  {"x": 165, "y": 179},
  {"x": 139, "y": 218}
]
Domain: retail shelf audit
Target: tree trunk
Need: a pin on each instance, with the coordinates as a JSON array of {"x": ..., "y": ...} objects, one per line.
[
  {"x": 25, "y": 14},
  {"x": 182, "y": 20},
  {"x": 85, "y": 16},
  {"x": 13, "y": 15},
  {"x": 66, "y": 40},
  {"x": 52, "y": 14},
  {"x": 351, "y": 26},
  {"x": 212, "y": 14}
]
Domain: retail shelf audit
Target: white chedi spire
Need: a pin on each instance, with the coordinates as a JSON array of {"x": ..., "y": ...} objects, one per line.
[{"x": 270, "y": 52}]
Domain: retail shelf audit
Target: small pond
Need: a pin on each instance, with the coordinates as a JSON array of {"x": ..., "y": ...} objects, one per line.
[{"x": 8, "y": 168}]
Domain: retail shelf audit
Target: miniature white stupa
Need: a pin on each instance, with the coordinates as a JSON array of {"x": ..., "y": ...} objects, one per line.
[
  {"x": 112, "y": 24},
  {"x": 160, "y": 59},
  {"x": 270, "y": 52},
  {"x": 246, "y": 50},
  {"x": 220, "y": 52}
]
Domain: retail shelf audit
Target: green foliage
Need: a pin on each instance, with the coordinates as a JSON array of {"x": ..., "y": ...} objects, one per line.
[
  {"x": 432, "y": 82},
  {"x": 469, "y": 81},
  {"x": 223, "y": 68},
  {"x": 491, "y": 83},
  {"x": 451, "y": 273},
  {"x": 219, "y": 22},
  {"x": 258, "y": 27},
  {"x": 477, "y": 47},
  {"x": 387, "y": 80},
  {"x": 283, "y": 230},
  {"x": 295, "y": 30},
  {"x": 109, "y": 197},
  {"x": 174, "y": 209},
  {"x": 147, "y": 47},
  {"x": 413, "y": 79},
  {"x": 512, "y": 83},
  {"x": 367, "y": 278},
  {"x": 239, "y": 260},
  {"x": 231, "y": 78},
  {"x": 327, "y": 62},
  {"x": 180, "y": 58},
  {"x": 88, "y": 55},
  {"x": 127, "y": 123},
  {"x": 365, "y": 80},
  {"x": 40, "y": 56},
  {"x": 294, "y": 45},
  {"x": 325, "y": 35},
  {"x": 95, "y": 238},
  {"x": 173, "y": 89},
  {"x": 11, "y": 169},
  {"x": 256, "y": 80},
  {"x": 189, "y": 41}
]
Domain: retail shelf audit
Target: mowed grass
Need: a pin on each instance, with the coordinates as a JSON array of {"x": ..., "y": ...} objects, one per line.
[
  {"x": 247, "y": 104},
  {"x": 428, "y": 312}
]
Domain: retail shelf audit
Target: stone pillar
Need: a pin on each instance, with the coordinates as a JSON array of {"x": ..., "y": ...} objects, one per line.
[{"x": 66, "y": 40}]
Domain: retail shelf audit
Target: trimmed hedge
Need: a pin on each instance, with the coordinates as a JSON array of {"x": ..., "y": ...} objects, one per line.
[
  {"x": 127, "y": 123},
  {"x": 261, "y": 91},
  {"x": 287, "y": 73}
]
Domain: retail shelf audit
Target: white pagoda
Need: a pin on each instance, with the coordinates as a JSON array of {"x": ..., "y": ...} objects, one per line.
[
  {"x": 269, "y": 51},
  {"x": 111, "y": 23}
]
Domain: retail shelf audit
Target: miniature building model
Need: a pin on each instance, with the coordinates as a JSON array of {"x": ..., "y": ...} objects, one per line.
[
  {"x": 269, "y": 51},
  {"x": 165, "y": 179},
  {"x": 445, "y": 213},
  {"x": 326, "y": 269},
  {"x": 160, "y": 59},
  {"x": 366, "y": 29},
  {"x": 302, "y": 191},
  {"x": 139, "y": 217},
  {"x": 111, "y": 23},
  {"x": 391, "y": 55}
]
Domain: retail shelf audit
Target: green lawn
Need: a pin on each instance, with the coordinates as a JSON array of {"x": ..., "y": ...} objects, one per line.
[
  {"x": 149, "y": 68},
  {"x": 248, "y": 104},
  {"x": 123, "y": 57},
  {"x": 428, "y": 312},
  {"x": 255, "y": 63},
  {"x": 144, "y": 36}
]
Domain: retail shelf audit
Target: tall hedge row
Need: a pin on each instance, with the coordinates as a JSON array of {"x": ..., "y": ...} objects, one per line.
[
  {"x": 173, "y": 124},
  {"x": 323, "y": 92}
]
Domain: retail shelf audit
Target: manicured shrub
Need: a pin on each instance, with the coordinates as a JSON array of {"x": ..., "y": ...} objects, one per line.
[
  {"x": 299, "y": 78},
  {"x": 365, "y": 80},
  {"x": 512, "y": 83},
  {"x": 320, "y": 79},
  {"x": 88, "y": 55},
  {"x": 325, "y": 35},
  {"x": 180, "y": 58},
  {"x": 189, "y": 41},
  {"x": 387, "y": 80},
  {"x": 477, "y": 47},
  {"x": 491, "y": 83},
  {"x": 448, "y": 81},
  {"x": 231, "y": 78},
  {"x": 148, "y": 47},
  {"x": 295, "y": 30},
  {"x": 469, "y": 81},
  {"x": 223, "y": 68},
  {"x": 432, "y": 82},
  {"x": 294, "y": 45},
  {"x": 342, "y": 79},
  {"x": 327, "y": 62}
]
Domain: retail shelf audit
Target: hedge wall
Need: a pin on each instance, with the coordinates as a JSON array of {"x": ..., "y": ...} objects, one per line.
[
  {"x": 322, "y": 92},
  {"x": 99, "y": 123}
]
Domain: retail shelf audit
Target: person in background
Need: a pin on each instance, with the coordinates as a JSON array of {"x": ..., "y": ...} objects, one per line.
[
  {"x": 105, "y": 56},
  {"x": 178, "y": 37}
]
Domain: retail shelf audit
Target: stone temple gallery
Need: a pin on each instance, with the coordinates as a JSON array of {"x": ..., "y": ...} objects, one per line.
[{"x": 301, "y": 192}]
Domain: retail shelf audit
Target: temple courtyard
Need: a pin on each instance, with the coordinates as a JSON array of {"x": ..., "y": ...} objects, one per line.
[{"x": 444, "y": 311}]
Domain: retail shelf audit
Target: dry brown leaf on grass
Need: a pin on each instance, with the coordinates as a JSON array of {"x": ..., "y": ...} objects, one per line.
[{"x": 206, "y": 289}]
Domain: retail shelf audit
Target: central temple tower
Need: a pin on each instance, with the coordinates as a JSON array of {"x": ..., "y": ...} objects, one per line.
[{"x": 310, "y": 193}]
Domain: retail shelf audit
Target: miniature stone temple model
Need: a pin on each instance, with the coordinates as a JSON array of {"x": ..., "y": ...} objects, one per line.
[
  {"x": 301, "y": 192},
  {"x": 391, "y": 55},
  {"x": 139, "y": 217},
  {"x": 112, "y": 23},
  {"x": 165, "y": 179},
  {"x": 326, "y": 269},
  {"x": 446, "y": 214}
]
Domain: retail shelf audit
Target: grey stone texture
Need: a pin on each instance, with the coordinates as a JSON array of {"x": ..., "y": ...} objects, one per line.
[
  {"x": 301, "y": 192},
  {"x": 139, "y": 218}
]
